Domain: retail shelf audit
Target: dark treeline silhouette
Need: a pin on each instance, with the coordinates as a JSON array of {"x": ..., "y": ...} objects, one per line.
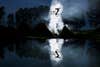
[
  {"x": 21, "y": 27},
  {"x": 18, "y": 27}
]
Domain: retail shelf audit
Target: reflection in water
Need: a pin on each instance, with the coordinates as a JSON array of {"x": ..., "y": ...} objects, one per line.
[
  {"x": 55, "y": 49},
  {"x": 76, "y": 56},
  {"x": 33, "y": 53}
]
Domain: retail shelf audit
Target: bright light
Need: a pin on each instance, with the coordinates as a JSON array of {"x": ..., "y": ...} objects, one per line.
[
  {"x": 55, "y": 49},
  {"x": 56, "y": 23},
  {"x": 55, "y": 26}
]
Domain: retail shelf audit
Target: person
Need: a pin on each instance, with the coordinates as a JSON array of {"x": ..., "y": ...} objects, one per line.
[{"x": 57, "y": 11}]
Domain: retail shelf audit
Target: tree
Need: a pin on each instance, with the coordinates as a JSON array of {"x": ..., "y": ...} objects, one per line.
[
  {"x": 10, "y": 20},
  {"x": 1, "y": 13}
]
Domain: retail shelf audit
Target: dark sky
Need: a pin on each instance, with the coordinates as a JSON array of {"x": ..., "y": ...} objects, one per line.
[{"x": 12, "y": 5}]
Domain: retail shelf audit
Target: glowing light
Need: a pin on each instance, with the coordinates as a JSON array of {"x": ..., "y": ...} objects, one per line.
[
  {"x": 56, "y": 23},
  {"x": 55, "y": 26},
  {"x": 55, "y": 47}
]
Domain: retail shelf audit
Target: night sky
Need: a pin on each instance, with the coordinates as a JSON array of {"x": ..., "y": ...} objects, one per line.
[{"x": 72, "y": 8}]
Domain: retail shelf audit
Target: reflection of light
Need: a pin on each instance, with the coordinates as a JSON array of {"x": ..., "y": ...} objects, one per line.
[
  {"x": 56, "y": 45},
  {"x": 66, "y": 40}
]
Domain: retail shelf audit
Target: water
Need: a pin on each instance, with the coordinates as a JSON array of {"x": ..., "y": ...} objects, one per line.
[
  {"x": 77, "y": 53},
  {"x": 55, "y": 50}
]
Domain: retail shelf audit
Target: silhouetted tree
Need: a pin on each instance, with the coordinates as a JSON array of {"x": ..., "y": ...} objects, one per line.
[
  {"x": 1, "y": 13},
  {"x": 10, "y": 20}
]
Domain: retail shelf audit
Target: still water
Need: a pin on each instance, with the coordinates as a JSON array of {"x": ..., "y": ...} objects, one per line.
[{"x": 36, "y": 53}]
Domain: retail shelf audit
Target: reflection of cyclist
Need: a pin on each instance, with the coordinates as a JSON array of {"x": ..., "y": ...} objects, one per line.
[
  {"x": 57, "y": 11},
  {"x": 57, "y": 54}
]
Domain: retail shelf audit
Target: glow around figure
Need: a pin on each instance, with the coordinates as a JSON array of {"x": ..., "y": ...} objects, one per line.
[
  {"x": 55, "y": 15},
  {"x": 55, "y": 49}
]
